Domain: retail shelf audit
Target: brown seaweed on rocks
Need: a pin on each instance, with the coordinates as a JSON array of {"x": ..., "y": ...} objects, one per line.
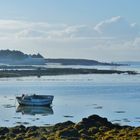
[{"x": 93, "y": 127}]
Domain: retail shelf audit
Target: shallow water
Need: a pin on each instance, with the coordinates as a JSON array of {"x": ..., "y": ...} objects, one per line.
[{"x": 114, "y": 96}]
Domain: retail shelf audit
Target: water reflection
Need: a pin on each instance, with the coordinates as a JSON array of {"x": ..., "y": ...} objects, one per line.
[{"x": 34, "y": 110}]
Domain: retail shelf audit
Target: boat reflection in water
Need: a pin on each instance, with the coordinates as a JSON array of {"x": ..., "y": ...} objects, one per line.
[{"x": 34, "y": 110}]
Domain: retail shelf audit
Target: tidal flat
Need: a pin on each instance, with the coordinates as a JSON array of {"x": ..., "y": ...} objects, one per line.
[{"x": 59, "y": 71}]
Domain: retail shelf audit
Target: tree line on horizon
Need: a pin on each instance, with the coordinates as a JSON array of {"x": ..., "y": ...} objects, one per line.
[{"x": 14, "y": 54}]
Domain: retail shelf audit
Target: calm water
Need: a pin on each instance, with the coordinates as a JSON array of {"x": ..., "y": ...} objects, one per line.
[{"x": 114, "y": 96}]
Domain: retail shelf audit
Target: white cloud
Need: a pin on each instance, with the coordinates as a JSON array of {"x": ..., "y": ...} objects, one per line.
[
  {"x": 114, "y": 38},
  {"x": 117, "y": 27}
]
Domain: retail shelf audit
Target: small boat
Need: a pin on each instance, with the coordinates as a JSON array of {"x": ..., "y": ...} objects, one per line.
[{"x": 35, "y": 100}]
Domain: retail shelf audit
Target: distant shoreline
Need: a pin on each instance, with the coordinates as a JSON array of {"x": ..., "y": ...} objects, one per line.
[
  {"x": 58, "y": 71},
  {"x": 15, "y": 57}
]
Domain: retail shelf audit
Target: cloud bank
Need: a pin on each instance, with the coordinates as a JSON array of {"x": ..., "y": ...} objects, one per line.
[{"x": 111, "y": 39}]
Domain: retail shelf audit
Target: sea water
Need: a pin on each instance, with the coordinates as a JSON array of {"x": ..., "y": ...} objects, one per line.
[{"x": 115, "y": 96}]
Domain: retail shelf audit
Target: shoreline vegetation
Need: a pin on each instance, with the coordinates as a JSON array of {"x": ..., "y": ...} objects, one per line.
[
  {"x": 57, "y": 71},
  {"x": 93, "y": 127}
]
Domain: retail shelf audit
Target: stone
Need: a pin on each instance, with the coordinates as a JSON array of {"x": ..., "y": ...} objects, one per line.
[
  {"x": 67, "y": 133},
  {"x": 3, "y": 130},
  {"x": 63, "y": 125}
]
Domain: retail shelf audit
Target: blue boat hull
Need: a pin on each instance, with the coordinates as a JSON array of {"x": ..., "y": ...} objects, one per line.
[{"x": 34, "y": 101}]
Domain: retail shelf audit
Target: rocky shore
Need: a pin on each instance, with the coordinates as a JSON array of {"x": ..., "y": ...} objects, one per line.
[{"x": 92, "y": 128}]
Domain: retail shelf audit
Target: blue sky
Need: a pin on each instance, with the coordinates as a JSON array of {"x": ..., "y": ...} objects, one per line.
[
  {"x": 69, "y": 11},
  {"x": 94, "y": 29}
]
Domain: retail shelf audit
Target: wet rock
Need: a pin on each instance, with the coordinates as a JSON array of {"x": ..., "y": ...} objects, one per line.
[
  {"x": 68, "y": 116},
  {"x": 83, "y": 131},
  {"x": 99, "y": 121},
  {"x": 104, "y": 129},
  {"x": 98, "y": 107},
  {"x": 3, "y": 130},
  {"x": 93, "y": 130},
  {"x": 11, "y": 135},
  {"x": 32, "y": 134},
  {"x": 93, "y": 120},
  {"x": 86, "y": 137},
  {"x": 2, "y": 137},
  {"x": 18, "y": 129},
  {"x": 71, "y": 138},
  {"x": 68, "y": 132},
  {"x": 119, "y": 111},
  {"x": 17, "y": 117},
  {"x": 43, "y": 129},
  {"x": 18, "y": 123},
  {"x": 25, "y": 123},
  {"x": 43, "y": 138},
  {"x": 19, "y": 138},
  {"x": 63, "y": 125},
  {"x": 31, "y": 129}
]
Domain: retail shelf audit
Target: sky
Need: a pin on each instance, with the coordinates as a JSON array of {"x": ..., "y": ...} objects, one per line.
[{"x": 104, "y": 30}]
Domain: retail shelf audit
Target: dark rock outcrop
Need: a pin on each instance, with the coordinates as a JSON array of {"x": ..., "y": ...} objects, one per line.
[
  {"x": 3, "y": 130},
  {"x": 92, "y": 128}
]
